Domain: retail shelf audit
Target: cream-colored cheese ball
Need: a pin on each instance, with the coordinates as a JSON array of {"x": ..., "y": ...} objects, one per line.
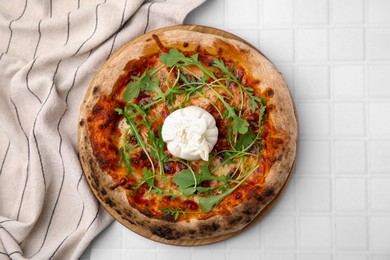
[{"x": 190, "y": 133}]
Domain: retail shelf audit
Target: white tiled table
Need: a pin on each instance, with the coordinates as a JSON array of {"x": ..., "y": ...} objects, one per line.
[{"x": 335, "y": 56}]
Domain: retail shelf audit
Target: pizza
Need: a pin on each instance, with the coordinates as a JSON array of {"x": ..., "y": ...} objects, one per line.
[{"x": 186, "y": 135}]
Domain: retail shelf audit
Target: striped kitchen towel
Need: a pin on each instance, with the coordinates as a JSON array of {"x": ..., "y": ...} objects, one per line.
[{"x": 49, "y": 52}]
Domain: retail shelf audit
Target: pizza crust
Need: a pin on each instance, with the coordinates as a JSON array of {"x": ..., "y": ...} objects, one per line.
[{"x": 282, "y": 115}]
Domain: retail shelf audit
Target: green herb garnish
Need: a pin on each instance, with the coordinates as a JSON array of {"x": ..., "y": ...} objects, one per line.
[
  {"x": 183, "y": 83},
  {"x": 175, "y": 212}
]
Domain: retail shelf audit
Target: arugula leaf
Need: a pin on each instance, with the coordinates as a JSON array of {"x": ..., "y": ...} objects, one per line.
[
  {"x": 187, "y": 191},
  {"x": 135, "y": 87},
  {"x": 134, "y": 129},
  {"x": 189, "y": 181},
  {"x": 263, "y": 106},
  {"x": 253, "y": 102},
  {"x": 132, "y": 91},
  {"x": 188, "y": 89},
  {"x": 221, "y": 65},
  {"x": 175, "y": 212},
  {"x": 240, "y": 125},
  {"x": 205, "y": 190},
  {"x": 125, "y": 158},
  {"x": 206, "y": 174},
  {"x": 186, "y": 178},
  {"x": 156, "y": 146},
  {"x": 253, "y": 99},
  {"x": 148, "y": 177},
  {"x": 148, "y": 81},
  {"x": 174, "y": 57},
  {"x": 245, "y": 141},
  {"x": 208, "y": 203}
]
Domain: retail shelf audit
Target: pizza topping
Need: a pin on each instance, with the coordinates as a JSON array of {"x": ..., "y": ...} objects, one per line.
[
  {"x": 214, "y": 126},
  {"x": 190, "y": 133}
]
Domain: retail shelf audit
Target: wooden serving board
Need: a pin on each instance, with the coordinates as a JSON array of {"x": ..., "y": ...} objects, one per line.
[
  {"x": 196, "y": 28},
  {"x": 188, "y": 242}
]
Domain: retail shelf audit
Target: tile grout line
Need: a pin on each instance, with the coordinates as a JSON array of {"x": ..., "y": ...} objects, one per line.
[
  {"x": 343, "y": 100},
  {"x": 309, "y": 27},
  {"x": 328, "y": 63},
  {"x": 332, "y": 128},
  {"x": 295, "y": 80},
  {"x": 367, "y": 128},
  {"x": 123, "y": 242}
]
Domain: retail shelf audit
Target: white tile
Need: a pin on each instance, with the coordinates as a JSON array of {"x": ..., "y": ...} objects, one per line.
[
  {"x": 379, "y": 119},
  {"x": 280, "y": 232},
  {"x": 349, "y": 119},
  {"x": 350, "y": 194},
  {"x": 135, "y": 241},
  {"x": 287, "y": 200},
  {"x": 100, "y": 254},
  {"x": 110, "y": 238},
  {"x": 314, "y": 119},
  {"x": 242, "y": 13},
  {"x": 350, "y": 256},
  {"x": 348, "y": 44},
  {"x": 378, "y": 42},
  {"x": 380, "y": 233},
  {"x": 312, "y": 82},
  {"x": 321, "y": 256},
  {"x": 247, "y": 255},
  {"x": 350, "y": 156},
  {"x": 312, "y": 44},
  {"x": 210, "y": 13},
  {"x": 199, "y": 255},
  {"x": 348, "y": 81},
  {"x": 314, "y": 194},
  {"x": 278, "y": 45},
  {"x": 313, "y": 158},
  {"x": 173, "y": 254},
  {"x": 139, "y": 254},
  {"x": 380, "y": 194},
  {"x": 351, "y": 233},
  {"x": 247, "y": 239},
  {"x": 378, "y": 11},
  {"x": 278, "y": 12},
  {"x": 348, "y": 11},
  {"x": 313, "y": 12},
  {"x": 379, "y": 81},
  {"x": 288, "y": 75},
  {"x": 379, "y": 151},
  {"x": 163, "y": 247},
  {"x": 248, "y": 35},
  {"x": 215, "y": 246},
  {"x": 280, "y": 256},
  {"x": 315, "y": 233},
  {"x": 380, "y": 257}
]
